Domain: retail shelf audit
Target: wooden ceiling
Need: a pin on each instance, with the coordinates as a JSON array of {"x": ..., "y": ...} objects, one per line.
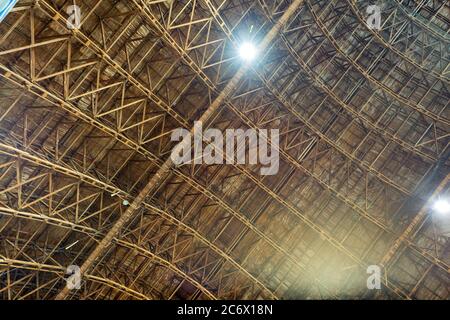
[{"x": 86, "y": 117}]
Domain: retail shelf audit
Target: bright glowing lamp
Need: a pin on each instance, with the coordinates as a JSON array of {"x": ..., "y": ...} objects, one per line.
[
  {"x": 248, "y": 51},
  {"x": 442, "y": 206}
]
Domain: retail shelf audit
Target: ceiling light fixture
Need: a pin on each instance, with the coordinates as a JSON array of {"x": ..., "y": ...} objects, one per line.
[
  {"x": 248, "y": 51},
  {"x": 442, "y": 206},
  {"x": 71, "y": 245}
]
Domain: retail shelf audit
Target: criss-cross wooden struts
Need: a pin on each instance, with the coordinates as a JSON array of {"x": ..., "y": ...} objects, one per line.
[{"x": 87, "y": 178}]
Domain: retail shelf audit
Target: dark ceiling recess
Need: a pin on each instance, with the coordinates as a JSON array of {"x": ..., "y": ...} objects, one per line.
[{"x": 93, "y": 206}]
